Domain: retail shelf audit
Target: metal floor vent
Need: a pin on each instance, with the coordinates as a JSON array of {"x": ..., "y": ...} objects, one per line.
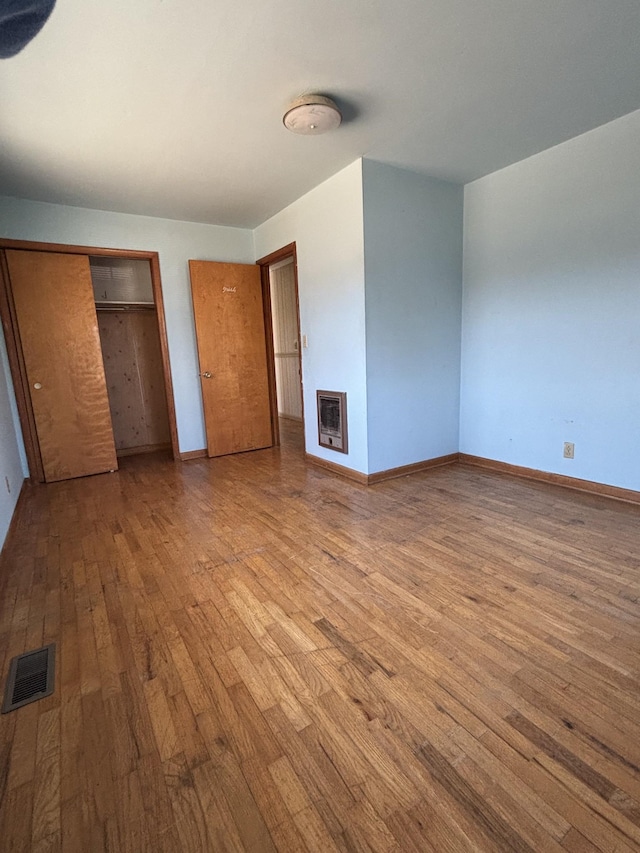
[{"x": 31, "y": 677}]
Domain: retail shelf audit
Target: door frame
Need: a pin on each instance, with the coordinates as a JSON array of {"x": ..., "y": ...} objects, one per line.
[
  {"x": 14, "y": 349},
  {"x": 288, "y": 251}
]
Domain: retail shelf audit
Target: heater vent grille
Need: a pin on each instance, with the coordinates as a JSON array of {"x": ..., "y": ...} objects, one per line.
[{"x": 332, "y": 420}]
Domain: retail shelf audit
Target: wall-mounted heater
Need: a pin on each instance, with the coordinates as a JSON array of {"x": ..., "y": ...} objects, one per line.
[{"x": 332, "y": 420}]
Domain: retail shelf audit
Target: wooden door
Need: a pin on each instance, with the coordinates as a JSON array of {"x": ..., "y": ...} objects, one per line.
[
  {"x": 232, "y": 351},
  {"x": 58, "y": 331}
]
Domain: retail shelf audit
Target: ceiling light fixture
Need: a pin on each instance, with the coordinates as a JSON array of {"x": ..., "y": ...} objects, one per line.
[{"x": 311, "y": 115}]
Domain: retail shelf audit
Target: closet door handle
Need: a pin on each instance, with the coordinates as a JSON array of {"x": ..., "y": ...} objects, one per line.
[
  {"x": 206, "y": 375},
  {"x": 37, "y": 385}
]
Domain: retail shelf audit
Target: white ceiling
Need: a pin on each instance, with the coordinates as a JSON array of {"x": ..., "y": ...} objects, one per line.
[{"x": 173, "y": 107}]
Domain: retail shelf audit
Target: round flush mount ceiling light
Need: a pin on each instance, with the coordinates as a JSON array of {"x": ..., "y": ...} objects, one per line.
[{"x": 311, "y": 115}]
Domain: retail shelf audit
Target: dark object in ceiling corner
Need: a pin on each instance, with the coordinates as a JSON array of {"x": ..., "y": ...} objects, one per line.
[{"x": 20, "y": 21}]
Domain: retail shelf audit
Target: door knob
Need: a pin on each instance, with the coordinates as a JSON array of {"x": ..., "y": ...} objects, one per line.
[
  {"x": 206, "y": 375},
  {"x": 37, "y": 385}
]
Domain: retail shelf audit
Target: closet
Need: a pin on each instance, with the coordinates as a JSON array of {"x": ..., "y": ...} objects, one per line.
[
  {"x": 87, "y": 348},
  {"x": 131, "y": 354}
]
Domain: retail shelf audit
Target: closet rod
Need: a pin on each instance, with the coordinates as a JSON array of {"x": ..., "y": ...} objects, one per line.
[{"x": 132, "y": 307}]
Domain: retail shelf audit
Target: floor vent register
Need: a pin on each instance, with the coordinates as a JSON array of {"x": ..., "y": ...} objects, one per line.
[{"x": 31, "y": 677}]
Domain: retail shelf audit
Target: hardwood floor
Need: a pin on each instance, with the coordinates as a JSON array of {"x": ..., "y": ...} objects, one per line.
[{"x": 257, "y": 655}]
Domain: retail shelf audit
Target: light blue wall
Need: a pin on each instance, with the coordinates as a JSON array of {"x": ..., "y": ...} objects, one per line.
[
  {"x": 326, "y": 225},
  {"x": 11, "y": 451},
  {"x": 551, "y": 309},
  {"x": 413, "y": 274},
  {"x": 176, "y": 242}
]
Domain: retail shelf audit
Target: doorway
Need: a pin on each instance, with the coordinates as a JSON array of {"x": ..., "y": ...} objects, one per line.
[
  {"x": 248, "y": 337},
  {"x": 280, "y": 283},
  {"x": 286, "y": 339},
  {"x": 131, "y": 353}
]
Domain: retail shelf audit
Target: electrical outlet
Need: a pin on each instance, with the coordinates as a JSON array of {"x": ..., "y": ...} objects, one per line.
[
  {"x": 8, "y": 484},
  {"x": 568, "y": 450}
]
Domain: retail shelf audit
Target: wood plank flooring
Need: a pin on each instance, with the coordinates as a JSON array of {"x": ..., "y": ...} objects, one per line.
[{"x": 254, "y": 655}]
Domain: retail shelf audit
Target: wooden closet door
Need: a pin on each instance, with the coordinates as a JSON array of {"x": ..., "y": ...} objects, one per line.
[{"x": 58, "y": 328}]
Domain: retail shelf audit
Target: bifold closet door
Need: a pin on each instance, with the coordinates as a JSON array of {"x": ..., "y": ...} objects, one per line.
[{"x": 58, "y": 329}]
